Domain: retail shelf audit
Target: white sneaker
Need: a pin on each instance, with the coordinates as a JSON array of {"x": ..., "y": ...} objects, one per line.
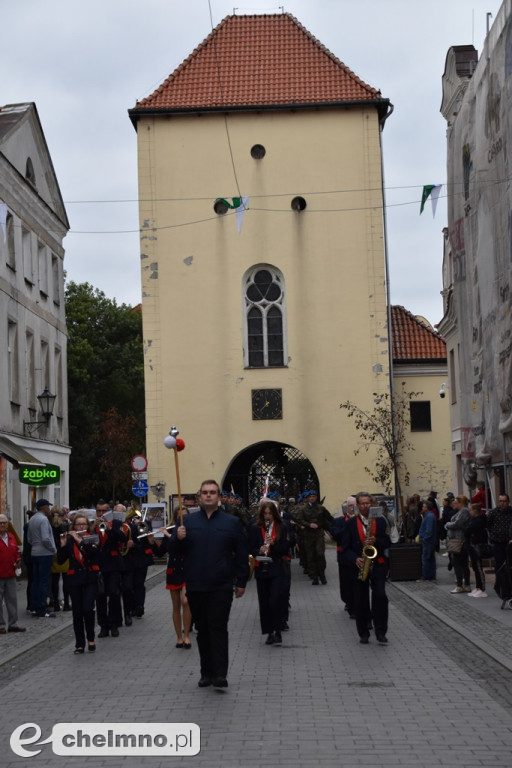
[
  {"x": 475, "y": 593},
  {"x": 482, "y": 594},
  {"x": 457, "y": 590}
]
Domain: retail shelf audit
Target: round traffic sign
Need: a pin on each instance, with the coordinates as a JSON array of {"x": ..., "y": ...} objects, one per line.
[
  {"x": 139, "y": 463},
  {"x": 140, "y": 488}
]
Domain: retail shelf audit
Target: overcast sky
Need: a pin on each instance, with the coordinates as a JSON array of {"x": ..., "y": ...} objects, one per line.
[{"x": 85, "y": 64}]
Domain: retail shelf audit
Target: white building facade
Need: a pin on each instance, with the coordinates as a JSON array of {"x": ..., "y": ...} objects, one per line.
[{"x": 33, "y": 336}]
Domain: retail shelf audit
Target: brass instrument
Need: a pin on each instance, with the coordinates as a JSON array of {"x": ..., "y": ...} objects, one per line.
[
  {"x": 152, "y": 533},
  {"x": 102, "y": 527},
  {"x": 142, "y": 527},
  {"x": 369, "y": 555}
]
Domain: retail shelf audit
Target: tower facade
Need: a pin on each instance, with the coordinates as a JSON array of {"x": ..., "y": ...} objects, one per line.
[{"x": 262, "y": 261}]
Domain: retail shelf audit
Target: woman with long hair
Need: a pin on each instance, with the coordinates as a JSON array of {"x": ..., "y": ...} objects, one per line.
[
  {"x": 268, "y": 544},
  {"x": 81, "y": 578},
  {"x": 175, "y": 583}
]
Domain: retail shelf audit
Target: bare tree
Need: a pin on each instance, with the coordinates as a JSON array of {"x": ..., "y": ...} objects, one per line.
[{"x": 384, "y": 431}]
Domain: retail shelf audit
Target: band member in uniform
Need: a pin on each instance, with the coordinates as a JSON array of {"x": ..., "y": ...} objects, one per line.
[
  {"x": 344, "y": 570},
  {"x": 108, "y": 600},
  {"x": 142, "y": 554},
  {"x": 268, "y": 538},
  {"x": 360, "y": 532},
  {"x": 81, "y": 578},
  {"x": 175, "y": 583}
]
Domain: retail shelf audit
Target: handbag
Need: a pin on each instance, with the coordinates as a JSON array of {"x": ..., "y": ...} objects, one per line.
[{"x": 454, "y": 546}]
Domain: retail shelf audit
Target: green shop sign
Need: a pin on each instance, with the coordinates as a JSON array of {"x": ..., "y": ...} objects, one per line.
[{"x": 44, "y": 475}]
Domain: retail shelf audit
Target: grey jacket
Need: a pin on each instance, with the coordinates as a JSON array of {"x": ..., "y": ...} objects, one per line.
[{"x": 40, "y": 536}]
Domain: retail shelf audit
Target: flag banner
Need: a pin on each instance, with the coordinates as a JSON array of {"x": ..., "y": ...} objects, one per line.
[
  {"x": 240, "y": 210},
  {"x": 434, "y": 197}
]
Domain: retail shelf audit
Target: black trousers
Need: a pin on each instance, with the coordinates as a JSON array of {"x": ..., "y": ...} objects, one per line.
[
  {"x": 82, "y": 606},
  {"x": 344, "y": 573},
  {"x": 108, "y": 605},
  {"x": 271, "y": 595},
  {"x": 378, "y": 611},
  {"x": 210, "y": 614}
]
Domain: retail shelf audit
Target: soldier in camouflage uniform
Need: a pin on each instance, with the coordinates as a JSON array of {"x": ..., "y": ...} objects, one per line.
[{"x": 314, "y": 520}]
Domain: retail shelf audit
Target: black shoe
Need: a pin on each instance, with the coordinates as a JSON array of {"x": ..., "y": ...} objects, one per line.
[
  {"x": 220, "y": 682},
  {"x": 315, "y": 582},
  {"x": 103, "y": 632},
  {"x": 91, "y": 647},
  {"x": 205, "y": 682},
  {"x": 270, "y": 639},
  {"x": 114, "y": 632},
  {"x": 382, "y": 639},
  {"x": 128, "y": 621},
  {"x": 364, "y": 640},
  {"x": 323, "y": 579},
  {"x": 277, "y": 638}
]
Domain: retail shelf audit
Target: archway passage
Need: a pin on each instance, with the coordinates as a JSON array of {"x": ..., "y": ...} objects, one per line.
[{"x": 288, "y": 470}]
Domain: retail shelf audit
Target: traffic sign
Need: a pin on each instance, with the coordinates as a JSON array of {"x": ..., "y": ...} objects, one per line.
[
  {"x": 139, "y": 475},
  {"x": 140, "y": 488},
  {"x": 139, "y": 463}
]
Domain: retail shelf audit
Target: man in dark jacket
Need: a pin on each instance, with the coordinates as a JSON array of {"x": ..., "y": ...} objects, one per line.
[
  {"x": 359, "y": 531},
  {"x": 216, "y": 559},
  {"x": 499, "y": 521}
]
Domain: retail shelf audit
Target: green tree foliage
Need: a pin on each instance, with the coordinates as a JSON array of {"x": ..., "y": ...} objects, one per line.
[
  {"x": 105, "y": 371},
  {"x": 376, "y": 434}
]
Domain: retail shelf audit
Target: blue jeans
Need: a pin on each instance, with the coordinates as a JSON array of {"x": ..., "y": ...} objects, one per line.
[
  {"x": 428, "y": 560},
  {"x": 41, "y": 577}
]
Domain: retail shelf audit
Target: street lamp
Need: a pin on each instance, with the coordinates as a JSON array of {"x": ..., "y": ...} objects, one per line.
[{"x": 46, "y": 406}]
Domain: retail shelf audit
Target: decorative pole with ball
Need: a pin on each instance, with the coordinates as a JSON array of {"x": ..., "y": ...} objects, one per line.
[{"x": 172, "y": 441}]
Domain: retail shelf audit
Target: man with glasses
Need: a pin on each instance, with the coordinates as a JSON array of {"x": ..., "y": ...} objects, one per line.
[
  {"x": 10, "y": 560},
  {"x": 216, "y": 561}
]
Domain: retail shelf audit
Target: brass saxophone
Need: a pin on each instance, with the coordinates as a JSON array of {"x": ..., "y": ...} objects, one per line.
[{"x": 369, "y": 555}]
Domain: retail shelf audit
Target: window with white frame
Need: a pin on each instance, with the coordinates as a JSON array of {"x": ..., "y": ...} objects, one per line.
[
  {"x": 42, "y": 259},
  {"x": 13, "y": 361},
  {"x": 28, "y": 265},
  {"x": 264, "y": 317}
]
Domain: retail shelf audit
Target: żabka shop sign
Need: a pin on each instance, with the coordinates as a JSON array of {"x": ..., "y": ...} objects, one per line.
[{"x": 43, "y": 475}]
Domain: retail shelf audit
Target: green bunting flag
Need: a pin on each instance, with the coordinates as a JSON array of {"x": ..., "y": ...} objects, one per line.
[{"x": 433, "y": 191}]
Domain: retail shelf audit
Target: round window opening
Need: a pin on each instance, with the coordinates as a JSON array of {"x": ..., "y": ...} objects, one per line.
[
  {"x": 258, "y": 151},
  {"x": 220, "y": 207}
]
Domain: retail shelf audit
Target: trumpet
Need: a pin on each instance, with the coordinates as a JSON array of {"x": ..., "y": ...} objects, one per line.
[
  {"x": 102, "y": 527},
  {"x": 152, "y": 533}
]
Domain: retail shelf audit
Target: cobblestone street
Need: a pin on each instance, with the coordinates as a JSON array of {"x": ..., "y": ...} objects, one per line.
[{"x": 440, "y": 694}]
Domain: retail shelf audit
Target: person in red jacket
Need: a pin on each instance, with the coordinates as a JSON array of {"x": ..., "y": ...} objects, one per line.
[{"x": 9, "y": 560}]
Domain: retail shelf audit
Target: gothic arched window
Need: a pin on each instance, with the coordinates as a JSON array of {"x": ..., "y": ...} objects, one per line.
[{"x": 264, "y": 314}]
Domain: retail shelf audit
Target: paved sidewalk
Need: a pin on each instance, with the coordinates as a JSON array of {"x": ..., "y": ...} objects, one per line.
[
  {"x": 321, "y": 698},
  {"x": 479, "y": 620}
]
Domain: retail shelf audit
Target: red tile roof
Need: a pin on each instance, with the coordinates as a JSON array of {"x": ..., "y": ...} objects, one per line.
[
  {"x": 259, "y": 61},
  {"x": 414, "y": 339}
]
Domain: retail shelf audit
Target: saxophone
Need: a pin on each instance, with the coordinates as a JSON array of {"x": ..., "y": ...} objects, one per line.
[{"x": 369, "y": 554}]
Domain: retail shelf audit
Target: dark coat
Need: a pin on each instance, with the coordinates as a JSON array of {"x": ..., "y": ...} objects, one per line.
[
  {"x": 216, "y": 552},
  {"x": 352, "y": 544},
  {"x": 278, "y": 551}
]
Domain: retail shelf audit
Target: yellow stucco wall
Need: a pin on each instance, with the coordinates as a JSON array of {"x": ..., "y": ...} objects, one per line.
[
  {"x": 429, "y": 461},
  {"x": 193, "y": 262}
]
